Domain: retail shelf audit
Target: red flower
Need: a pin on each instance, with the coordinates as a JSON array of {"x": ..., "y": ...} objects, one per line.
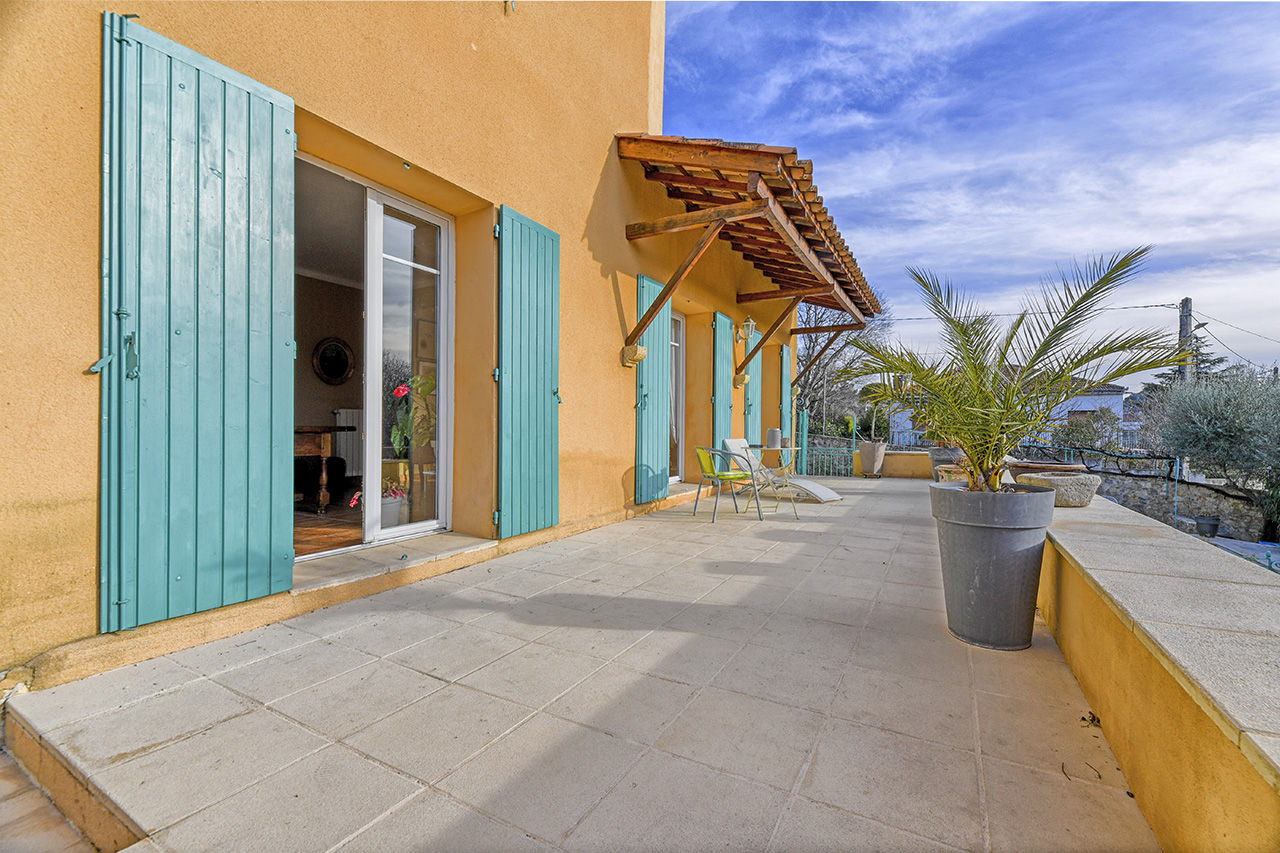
[{"x": 401, "y": 391}]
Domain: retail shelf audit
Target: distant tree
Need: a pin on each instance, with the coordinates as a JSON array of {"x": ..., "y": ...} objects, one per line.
[
  {"x": 1204, "y": 363},
  {"x": 1227, "y": 425},
  {"x": 1098, "y": 430},
  {"x": 825, "y": 382}
]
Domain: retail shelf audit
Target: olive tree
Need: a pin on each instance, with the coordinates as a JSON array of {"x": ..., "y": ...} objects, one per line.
[{"x": 1226, "y": 425}]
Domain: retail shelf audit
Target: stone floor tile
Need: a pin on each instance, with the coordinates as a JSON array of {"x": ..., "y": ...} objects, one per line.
[
  {"x": 543, "y": 776},
  {"x": 38, "y": 830},
  {"x": 751, "y": 737},
  {"x": 163, "y": 786},
  {"x": 342, "y": 706},
  {"x": 603, "y": 643},
  {"x": 805, "y": 681},
  {"x": 1036, "y": 672},
  {"x": 680, "y": 655},
  {"x": 675, "y": 805},
  {"x": 940, "y": 657},
  {"x": 624, "y": 702},
  {"x": 829, "y": 608},
  {"x": 620, "y": 575},
  {"x": 727, "y": 622},
  {"x": 913, "y": 595},
  {"x": 827, "y": 584},
  {"x": 1048, "y": 736},
  {"x": 809, "y": 827},
  {"x": 522, "y": 584},
  {"x": 745, "y": 592},
  {"x": 339, "y": 617},
  {"x": 922, "y": 787},
  {"x": 21, "y": 804},
  {"x": 931, "y": 710},
  {"x": 432, "y": 736},
  {"x": 581, "y": 594},
  {"x": 310, "y": 805},
  {"x": 391, "y": 632},
  {"x": 532, "y": 675},
  {"x": 529, "y": 619},
  {"x": 415, "y": 596},
  {"x": 432, "y": 822},
  {"x": 99, "y": 742},
  {"x": 679, "y": 586},
  {"x": 44, "y": 710},
  {"x": 271, "y": 678},
  {"x": 1031, "y": 811},
  {"x": 890, "y": 619},
  {"x": 833, "y": 641},
  {"x": 468, "y": 605},
  {"x": 12, "y": 779},
  {"x": 457, "y": 652}
]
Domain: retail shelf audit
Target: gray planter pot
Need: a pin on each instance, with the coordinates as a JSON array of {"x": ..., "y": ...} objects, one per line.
[
  {"x": 871, "y": 454},
  {"x": 991, "y": 545}
]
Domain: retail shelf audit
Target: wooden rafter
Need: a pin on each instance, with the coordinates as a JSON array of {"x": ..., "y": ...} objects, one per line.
[
  {"x": 790, "y": 293},
  {"x": 821, "y": 330},
  {"x": 704, "y": 242},
  {"x": 831, "y": 340},
  {"x": 764, "y": 339},
  {"x": 686, "y": 221},
  {"x": 782, "y": 223}
]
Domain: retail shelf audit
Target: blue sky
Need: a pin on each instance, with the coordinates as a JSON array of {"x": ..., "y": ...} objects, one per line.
[{"x": 993, "y": 142}]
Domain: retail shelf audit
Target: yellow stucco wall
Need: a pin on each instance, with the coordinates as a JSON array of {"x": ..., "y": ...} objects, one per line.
[
  {"x": 488, "y": 104},
  {"x": 1194, "y": 785}
]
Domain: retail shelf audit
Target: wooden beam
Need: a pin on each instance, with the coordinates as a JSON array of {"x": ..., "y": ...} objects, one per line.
[
  {"x": 764, "y": 339},
  {"x": 781, "y": 222},
  {"x": 822, "y": 330},
  {"x": 700, "y": 155},
  {"x": 765, "y": 295},
  {"x": 656, "y": 308},
  {"x": 685, "y": 221},
  {"x": 831, "y": 340}
]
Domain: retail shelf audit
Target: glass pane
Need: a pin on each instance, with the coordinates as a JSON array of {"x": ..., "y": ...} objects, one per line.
[{"x": 410, "y": 301}]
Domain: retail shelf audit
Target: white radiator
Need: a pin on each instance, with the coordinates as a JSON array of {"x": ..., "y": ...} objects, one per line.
[{"x": 349, "y": 445}]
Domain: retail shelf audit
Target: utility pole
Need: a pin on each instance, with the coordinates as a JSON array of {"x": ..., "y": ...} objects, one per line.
[{"x": 1184, "y": 335}]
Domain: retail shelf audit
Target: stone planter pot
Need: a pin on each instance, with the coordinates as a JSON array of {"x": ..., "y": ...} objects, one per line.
[
  {"x": 942, "y": 456},
  {"x": 871, "y": 453},
  {"x": 1017, "y": 469},
  {"x": 1068, "y": 489},
  {"x": 991, "y": 545}
]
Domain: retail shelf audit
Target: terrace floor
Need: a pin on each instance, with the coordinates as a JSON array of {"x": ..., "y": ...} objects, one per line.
[{"x": 663, "y": 683}]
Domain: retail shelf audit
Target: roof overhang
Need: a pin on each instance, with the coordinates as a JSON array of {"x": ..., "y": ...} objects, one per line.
[{"x": 769, "y": 210}]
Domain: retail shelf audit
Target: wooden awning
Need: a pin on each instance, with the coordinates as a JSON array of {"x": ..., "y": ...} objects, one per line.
[{"x": 769, "y": 210}]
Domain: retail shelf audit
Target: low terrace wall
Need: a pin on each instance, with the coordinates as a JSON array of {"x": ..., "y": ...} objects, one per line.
[{"x": 1176, "y": 645}]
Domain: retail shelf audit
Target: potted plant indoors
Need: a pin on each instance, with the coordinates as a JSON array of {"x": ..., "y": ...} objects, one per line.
[{"x": 992, "y": 388}]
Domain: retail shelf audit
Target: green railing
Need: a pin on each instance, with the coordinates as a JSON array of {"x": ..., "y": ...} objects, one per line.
[{"x": 828, "y": 461}]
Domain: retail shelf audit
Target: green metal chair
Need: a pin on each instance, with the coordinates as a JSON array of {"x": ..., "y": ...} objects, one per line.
[{"x": 733, "y": 475}]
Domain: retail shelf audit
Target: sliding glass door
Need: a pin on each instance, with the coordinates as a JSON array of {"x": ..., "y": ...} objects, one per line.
[{"x": 406, "y": 395}]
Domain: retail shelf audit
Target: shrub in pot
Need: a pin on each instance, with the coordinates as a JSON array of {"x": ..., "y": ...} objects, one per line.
[{"x": 993, "y": 387}]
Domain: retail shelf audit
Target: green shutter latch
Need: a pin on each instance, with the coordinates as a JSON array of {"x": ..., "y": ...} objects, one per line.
[
  {"x": 497, "y": 373},
  {"x": 98, "y": 365},
  {"x": 497, "y": 231},
  {"x": 496, "y": 515}
]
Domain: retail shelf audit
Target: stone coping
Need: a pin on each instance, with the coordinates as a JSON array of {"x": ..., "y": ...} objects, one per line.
[{"x": 1212, "y": 619}]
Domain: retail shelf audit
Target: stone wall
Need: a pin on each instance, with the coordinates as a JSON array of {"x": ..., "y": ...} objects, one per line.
[{"x": 1153, "y": 497}]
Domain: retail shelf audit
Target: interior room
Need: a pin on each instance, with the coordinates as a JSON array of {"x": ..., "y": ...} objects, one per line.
[{"x": 329, "y": 372}]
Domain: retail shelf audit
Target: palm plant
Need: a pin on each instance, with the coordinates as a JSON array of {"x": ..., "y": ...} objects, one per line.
[{"x": 995, "y": 386}]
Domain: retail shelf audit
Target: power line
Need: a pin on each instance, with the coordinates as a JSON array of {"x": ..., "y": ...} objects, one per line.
[
  {"x": 1237, "y": 328},
  {"x": 1020, "y": 313},
  {"x": 1229, "y": 349}
]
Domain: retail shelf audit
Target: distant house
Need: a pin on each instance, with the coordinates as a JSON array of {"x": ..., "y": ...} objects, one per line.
[{"x": 903, "y": 430}]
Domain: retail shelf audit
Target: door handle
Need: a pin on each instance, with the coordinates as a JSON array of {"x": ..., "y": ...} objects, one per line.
[{"x": 130, "y": 356}]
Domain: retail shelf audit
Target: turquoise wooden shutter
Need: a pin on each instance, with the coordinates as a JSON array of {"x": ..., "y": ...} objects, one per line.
[
  {"x": 721, "y": 381},
  {"x": 197, "y": 388},
  {"x": 785, "y": 403},
  {"x": 528, "y": 375},
  {"x": 753, "y": 395},
  {"x": 653, "y": 399},
  {"x": 802, "y": 441}
]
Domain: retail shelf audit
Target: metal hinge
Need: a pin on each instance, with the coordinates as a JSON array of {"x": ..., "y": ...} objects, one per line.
[
  {"x": 294, "y": 346},
  {"x": 497, "y": 374},
  {"x": 497, "y": 231},
  {"x": 496, "y": 515}
]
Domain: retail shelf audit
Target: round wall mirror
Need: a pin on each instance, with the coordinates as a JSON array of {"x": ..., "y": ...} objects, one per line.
[{"x": 333, "y": 360}]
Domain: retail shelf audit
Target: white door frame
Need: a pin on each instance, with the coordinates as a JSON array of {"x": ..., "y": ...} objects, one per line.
[
  {"x": 376, "y": 200},
  {"x": 678, "y": 394}
]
